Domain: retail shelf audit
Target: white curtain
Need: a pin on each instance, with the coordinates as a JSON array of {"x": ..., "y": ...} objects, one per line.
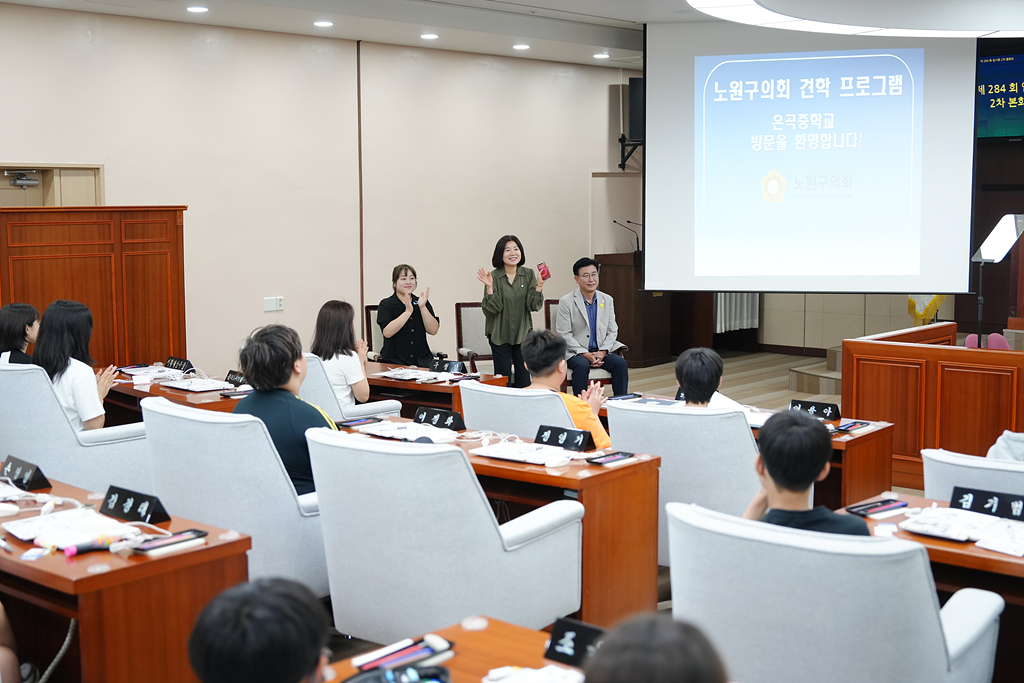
[{"x": 735, "y": 311}]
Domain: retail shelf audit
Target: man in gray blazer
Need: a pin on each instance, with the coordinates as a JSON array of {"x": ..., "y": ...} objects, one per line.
[{"x": 586, "y": 319}]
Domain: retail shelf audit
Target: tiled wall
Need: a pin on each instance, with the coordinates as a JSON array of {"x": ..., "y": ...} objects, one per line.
[{"x": 821, "y": 321}]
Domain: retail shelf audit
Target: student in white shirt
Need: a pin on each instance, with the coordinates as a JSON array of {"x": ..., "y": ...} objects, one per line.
[
  {"x": 343, "y": 355},
  {"x": 699, "y": 376},
  {"x": 62, "y": 349}
]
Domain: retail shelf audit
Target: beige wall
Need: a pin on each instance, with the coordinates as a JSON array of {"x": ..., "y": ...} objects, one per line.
[
  {"x": 460, "y": 149},
  {"x": 255, "y": 131},
  {"x": 822, "y": 321}
]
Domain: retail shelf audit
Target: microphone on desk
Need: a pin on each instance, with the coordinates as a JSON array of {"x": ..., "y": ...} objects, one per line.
[{"x": 631, "y": 230}]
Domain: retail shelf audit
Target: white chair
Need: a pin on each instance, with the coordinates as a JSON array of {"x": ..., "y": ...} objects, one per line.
[
  {"x": 223, "y": 469},
  {"x": 944, "y": 469},
  {"x": 374, "y": 335},
  {"x": 470, "y": 338},
  {"x": 794, "y": 606},
  {"x": 412, "y": 543},
  {"x": 707, "y": 456},
  {"x": 316, "y": 389},
  {"x": 512, "y": 411},
  {"x": 33, "y": 427}
]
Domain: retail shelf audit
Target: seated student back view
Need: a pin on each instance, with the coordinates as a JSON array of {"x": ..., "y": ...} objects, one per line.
[
  {"x": 271, "y": 360},
  {"x": 19, "y": 327}
]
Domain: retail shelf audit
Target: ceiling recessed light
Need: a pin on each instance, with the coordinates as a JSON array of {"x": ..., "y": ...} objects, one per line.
[
  {"x": 429, "y": 36},
  {"x": 521, "y": 46},
  {"x": 198, "y": 9},
  {"x": 323, "y": 24},
  {"x": 602, "y": 56}
]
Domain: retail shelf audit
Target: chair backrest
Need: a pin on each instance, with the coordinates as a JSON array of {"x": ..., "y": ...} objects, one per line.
[
  {"x": 316, "y": 388},
  {"x": 35, "y": 428},
  {"x": 405, "y": 525},
  {"x": 469, "y": 330},
  {"x": 790, "y": 605},
  {"x": 223, "y": 469},
  {"x": 998, "y": 341},
  {"x": 944, "y": 469},
  {"x": 550, "y": 313},
  {"x": 374, "y": 335},
  {"x": 707, "y": 456},
  {"x": 512, "y": 411},
  {"x": 971, "y": 341}
]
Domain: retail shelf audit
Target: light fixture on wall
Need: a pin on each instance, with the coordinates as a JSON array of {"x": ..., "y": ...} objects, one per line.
[
  {"x": 323, "y": 24},
  {"x": 602, "y": 55},
  {"x": 198, "y": 9},
  {"x": 429, "y": 36},
  {"x": 21, "y": 178},
  {"x": 521, "y": 46}
]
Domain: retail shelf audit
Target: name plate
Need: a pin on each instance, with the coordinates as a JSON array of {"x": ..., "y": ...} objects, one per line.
[
  {"x": 573, "y": 641},
  {"x": 570, "y": 439},
  {"x": 447, "y": 419},
  {"x": 235, "y": 377},
  {"x": 132, "y": 506},
  {"x": 181, "y": 364},
  {"x": 438, "y": 365},
  {"x": 24, "y": 475},
  {"x": 1005, "y": 505},
  {"x": 826, "y": 411}
]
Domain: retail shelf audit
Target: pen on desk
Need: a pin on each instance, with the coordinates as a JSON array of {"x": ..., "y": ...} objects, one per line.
[{"x": 6, "y": 546}]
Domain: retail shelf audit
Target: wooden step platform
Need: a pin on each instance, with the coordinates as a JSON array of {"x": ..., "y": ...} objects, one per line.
[{"x": 816, "y": 379}]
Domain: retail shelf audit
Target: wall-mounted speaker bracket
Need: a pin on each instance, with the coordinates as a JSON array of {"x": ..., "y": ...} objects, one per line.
[{"x": 624, "y": 142}]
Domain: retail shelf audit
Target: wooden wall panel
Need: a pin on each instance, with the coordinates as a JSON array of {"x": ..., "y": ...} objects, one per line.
[
  {"x": 966, "y": 425},
  {"x": 147, "y": 311},
  {"x": 892, "y": 390},
  {"x": 125, "y": 263},
  {"x": 88, "y": 278}
]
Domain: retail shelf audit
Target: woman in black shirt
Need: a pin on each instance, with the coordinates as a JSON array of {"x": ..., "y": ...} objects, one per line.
[
  {"x": 406, "y": 320},
  {"x": 19, "y": 326}
]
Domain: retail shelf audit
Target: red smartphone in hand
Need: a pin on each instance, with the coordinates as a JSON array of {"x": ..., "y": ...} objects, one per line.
[{"x": 545, "y": 273}]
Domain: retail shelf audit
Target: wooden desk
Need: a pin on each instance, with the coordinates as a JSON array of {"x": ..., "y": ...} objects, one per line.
[
  {"x": 860, "y": 463},
  {"x": 477, "y": 652},
  {"x": 957, "y": 565},
  {"x": 134, "y": 618},
  {"x": 413, "y": 394},
  {"x": 126, "y": 397},
  {"x": 620, "y": 526}
]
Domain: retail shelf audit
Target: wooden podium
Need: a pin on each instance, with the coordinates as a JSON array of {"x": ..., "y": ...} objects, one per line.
[
  {"x": 125, "y": 263},
  {"x": 644, "y": 318}
]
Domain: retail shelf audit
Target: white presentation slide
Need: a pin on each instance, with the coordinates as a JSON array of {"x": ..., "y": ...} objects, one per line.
[{"x": 784, "y": 161}]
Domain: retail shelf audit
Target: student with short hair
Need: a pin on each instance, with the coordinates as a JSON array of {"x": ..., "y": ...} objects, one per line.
[
  {"x": 271, "y": 360},
  {"x": 654, "y": 648},
  {"x": 62, "y": 349},
  {"x": 795, "y": 450},
  {"x": 343, "y": 355},
  {"x": 19, "y": 327},
  {"x": 544, "y": 355},
  {"x": 264, "y": 631},
  {"x": 699, "y": 376}
]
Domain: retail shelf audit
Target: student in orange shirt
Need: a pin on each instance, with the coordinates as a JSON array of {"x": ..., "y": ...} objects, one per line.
[{"x": 544, "y": 355}]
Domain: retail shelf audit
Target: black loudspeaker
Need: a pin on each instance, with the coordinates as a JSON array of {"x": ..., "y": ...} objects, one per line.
[{"x": 637, "y": 129}]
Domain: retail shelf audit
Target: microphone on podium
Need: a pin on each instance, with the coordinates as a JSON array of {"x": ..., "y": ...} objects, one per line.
[{"x": 631, "y": 230}]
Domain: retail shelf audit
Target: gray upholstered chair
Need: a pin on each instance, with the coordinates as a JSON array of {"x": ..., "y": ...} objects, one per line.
[
  {"x": 374, "y": 335},
  {"x": 512, "y": 411},
  {"x": 33, "y": 427},
  {"x": 412, "y": 543},
  {"x": 794, "y": 606},
  {"x": 222, "y": 469},
  {"x": 944, "y": 469},
  {"x": 316, "y": 389},
  {"x": 707, "y": 456}
]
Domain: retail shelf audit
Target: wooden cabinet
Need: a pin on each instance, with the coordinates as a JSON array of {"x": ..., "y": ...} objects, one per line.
[{"x": 125, "y": 263}]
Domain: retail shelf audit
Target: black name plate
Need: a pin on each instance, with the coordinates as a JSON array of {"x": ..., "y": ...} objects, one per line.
[
  {"x": 438, "y": 365},
  {"x": 826, "y": 411},
  {"x": 570, "y": 439},
  {"x": 132, "y": 506},
  {"x": 24, "y": 475},
  {"x": 182, "y": 364},
  {"x": 1005, "y": 505},
  {"x": 573, "y": 641},
  {"x": 447, "y": 419}
]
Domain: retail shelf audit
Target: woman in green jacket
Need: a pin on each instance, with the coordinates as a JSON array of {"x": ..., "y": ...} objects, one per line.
[{"x": 511, "y": 292}]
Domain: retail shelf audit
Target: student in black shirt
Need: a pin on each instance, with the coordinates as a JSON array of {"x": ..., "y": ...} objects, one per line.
[
  {"x": 405, "y": 320},
  {"x": 272, "y": 362},
  {"x": 795, "y": 453},
  {"x": 19, "y": 327}
]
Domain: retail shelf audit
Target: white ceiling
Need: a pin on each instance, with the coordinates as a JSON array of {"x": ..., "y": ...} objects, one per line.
[{"x": 558, "y": 30}]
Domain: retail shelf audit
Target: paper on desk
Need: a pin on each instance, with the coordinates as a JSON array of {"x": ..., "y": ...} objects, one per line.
[
  {"x": 1005, "y": 536},
  {"x": 549, "y": 674}
]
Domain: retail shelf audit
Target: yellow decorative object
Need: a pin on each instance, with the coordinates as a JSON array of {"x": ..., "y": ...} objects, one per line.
[
  {"x": 773, "y": 186},
  {"x": 924, "y": 306}
]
